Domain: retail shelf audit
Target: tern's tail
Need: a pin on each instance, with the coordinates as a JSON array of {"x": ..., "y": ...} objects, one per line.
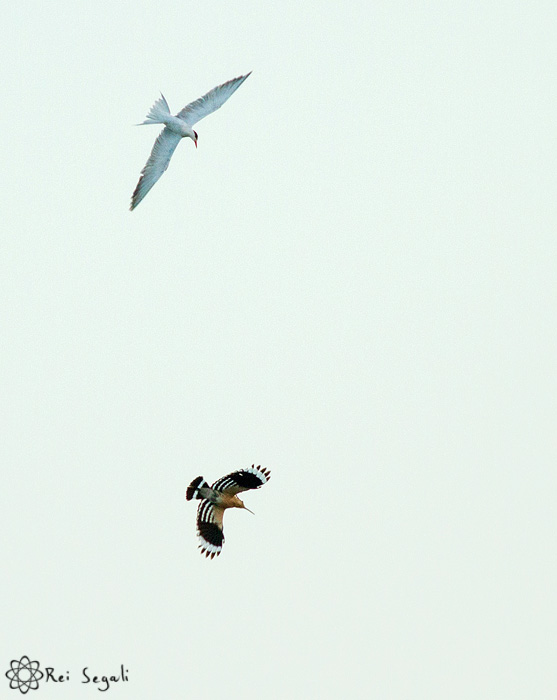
[{"x": 159, "y": 112}]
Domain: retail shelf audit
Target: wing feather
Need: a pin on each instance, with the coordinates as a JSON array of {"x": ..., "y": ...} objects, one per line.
[
  {"x": 209, "y": 528},
  {"x": 242, "y": 480},
  {"x": 164, "y": 147},
  {"x": 210, "y": 102}
]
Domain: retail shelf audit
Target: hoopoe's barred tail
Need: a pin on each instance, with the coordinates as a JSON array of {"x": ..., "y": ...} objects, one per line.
[{"x": 193, "y": 489}]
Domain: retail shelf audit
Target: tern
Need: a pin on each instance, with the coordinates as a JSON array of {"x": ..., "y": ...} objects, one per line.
[{"x": 177, "y": 127}]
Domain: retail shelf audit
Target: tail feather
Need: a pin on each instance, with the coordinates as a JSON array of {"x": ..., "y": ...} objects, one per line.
[
  {"x": 193, "y": 489},
  {"x": 159, "y": 112}
]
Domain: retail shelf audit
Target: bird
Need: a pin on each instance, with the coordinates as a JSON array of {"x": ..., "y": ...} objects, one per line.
[
  {"x": 215, "y": 499},
  {"x": 177, "y": 127}
]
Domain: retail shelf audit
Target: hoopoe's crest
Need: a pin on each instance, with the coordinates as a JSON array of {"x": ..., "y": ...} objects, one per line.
[{"x": 216, "y": 499}]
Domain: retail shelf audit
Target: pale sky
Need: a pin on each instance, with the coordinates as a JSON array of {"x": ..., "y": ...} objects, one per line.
[{"x": 350, "y": 282}]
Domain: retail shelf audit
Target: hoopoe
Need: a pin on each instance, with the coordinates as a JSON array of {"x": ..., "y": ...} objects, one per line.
[{"x": 216, "y": 499}]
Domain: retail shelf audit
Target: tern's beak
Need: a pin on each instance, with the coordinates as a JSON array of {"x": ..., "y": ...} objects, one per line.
[{"x": 195, "y": 143}]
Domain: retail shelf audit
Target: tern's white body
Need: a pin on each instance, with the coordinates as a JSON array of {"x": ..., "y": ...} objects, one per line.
[
  {"x": 180, "y": 127},
  {"x": 177, "y": 127}
]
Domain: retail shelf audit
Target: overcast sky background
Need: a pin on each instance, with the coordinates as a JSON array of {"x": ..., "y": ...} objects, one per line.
[{"x": 351, "y": 282}]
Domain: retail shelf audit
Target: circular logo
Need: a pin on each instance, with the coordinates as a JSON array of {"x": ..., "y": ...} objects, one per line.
[{"x": 24, "y": 675}]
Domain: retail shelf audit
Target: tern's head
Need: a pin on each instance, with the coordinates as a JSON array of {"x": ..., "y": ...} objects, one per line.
[{"x": 196, "y": 137}]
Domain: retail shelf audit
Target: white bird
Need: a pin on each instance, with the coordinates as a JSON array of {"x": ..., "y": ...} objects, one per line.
[{"x": 176, "y": 128}]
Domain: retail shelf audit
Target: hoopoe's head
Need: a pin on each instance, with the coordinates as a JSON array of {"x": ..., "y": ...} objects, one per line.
[{"x": 238, "y": 503}]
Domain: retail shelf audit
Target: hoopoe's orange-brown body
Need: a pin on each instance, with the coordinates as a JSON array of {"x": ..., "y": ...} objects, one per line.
[{"x": 227, "y": 501}]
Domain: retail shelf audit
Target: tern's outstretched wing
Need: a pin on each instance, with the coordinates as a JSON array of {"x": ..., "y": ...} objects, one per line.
[
  {"x": 243, "y": 480},
  {"x": 210, "y": 102},
  {"x": 164, "y": 147}
]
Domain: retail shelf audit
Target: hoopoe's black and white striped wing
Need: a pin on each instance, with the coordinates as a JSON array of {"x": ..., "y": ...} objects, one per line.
[
  {"x": 243, "y": 480},
  {"x": 209, "y": 528}
]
